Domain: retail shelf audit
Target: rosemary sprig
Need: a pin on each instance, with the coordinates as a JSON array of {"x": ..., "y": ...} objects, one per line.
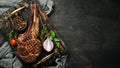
[
  {"x": 13, "y": 35},
  {"x": 15, "y": 11}
]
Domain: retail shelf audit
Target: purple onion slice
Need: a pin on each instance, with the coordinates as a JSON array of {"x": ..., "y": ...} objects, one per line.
[{"x": 48, "y": 45}]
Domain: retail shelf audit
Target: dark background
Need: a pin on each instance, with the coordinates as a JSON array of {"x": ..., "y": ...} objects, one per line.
[{"x": 90, "y": 30}]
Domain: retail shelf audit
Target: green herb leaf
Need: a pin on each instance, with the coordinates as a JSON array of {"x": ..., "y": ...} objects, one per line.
[
  {"x": 15, "y": 36},
  {"x": 11, "y": 35},
  {"x": 51, "y": 38},
  {"x": 43, "y": 32},
  {"x": 57, "y": 44},
  {"x": 56, "y": 40},
  {"x": 52, "y": 34}
]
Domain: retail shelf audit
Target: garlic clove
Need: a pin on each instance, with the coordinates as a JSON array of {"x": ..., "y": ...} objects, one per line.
[{"x": 48, "y": 45}]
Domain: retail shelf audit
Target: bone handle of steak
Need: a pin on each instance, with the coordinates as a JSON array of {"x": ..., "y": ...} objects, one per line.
[
  {"x": 35, "y": 26},
  {"x": 35, "y": 12}
]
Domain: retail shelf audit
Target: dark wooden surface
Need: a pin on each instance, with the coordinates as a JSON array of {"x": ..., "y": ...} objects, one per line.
[{"x": 91, "y": 31}]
